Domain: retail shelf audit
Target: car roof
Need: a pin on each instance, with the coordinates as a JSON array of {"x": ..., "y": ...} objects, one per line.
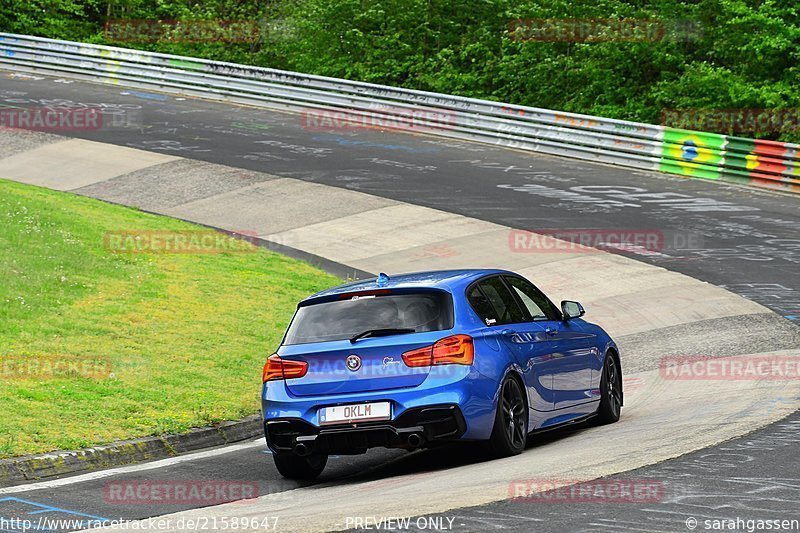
[{"x": 448, "y": 280}]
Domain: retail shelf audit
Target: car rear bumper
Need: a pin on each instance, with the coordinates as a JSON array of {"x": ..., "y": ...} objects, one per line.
[
  {"x": 416, "y": 427},
  {"x": 463, "y": 387}
]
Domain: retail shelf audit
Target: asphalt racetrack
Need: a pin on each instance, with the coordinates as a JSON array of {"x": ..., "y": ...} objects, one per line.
[{"x": 746, "y": 241}]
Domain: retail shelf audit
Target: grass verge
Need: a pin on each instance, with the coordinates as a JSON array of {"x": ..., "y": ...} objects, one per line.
[{"x": 97, "y": 345}]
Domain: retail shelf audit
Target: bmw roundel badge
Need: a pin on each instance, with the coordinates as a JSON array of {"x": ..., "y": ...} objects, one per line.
[{"x": 353, "y": 362}]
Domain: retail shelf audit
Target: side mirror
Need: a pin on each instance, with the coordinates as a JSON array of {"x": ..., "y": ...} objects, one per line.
[{"x": 572, "y": 309}]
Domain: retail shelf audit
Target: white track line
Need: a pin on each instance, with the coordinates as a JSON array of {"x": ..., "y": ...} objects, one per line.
[{"x": 257, "y": 443}]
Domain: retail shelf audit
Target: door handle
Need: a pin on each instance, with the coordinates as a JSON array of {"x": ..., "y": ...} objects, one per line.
[
  {"x": 512, "y": 335},
  {"x": 551, "y": 332}
]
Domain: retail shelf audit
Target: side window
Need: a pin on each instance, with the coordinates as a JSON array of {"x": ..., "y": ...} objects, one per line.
[
  {"x": 482, "y": 306},
  {"x": 537, "y": 304},
  {"x": 496, "y": 295}
]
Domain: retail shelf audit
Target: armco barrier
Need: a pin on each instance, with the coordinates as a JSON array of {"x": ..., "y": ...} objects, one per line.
[{"x": 768, "y": 164}]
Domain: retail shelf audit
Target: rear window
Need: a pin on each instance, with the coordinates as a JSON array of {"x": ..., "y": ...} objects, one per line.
[{"x": 343, "y": 319}]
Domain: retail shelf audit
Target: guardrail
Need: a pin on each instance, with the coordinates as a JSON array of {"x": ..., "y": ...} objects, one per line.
[{"x": 768, "y": 164}]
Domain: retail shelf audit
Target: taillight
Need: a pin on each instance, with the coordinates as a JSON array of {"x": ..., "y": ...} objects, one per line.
[
  {"x": 419, "y": 357},
  {"x": 277, "y": 368},
  {"x": 453, "y": 350}
]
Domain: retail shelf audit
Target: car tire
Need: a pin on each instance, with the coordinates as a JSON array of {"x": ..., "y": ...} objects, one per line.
[
  {"x": 510, "y": 431},
  {"x": 293, "y": 466},
  {"x": 610, "y": 407}
]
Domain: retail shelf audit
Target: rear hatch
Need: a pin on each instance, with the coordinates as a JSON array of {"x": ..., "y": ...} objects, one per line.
[{"x": 390, "y": 322}]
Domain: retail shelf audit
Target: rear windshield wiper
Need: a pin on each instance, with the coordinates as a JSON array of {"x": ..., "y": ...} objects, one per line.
[{"x": 380, "y": 333}]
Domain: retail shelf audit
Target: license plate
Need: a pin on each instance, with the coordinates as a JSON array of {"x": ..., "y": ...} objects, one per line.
[{"x": 362, "y": 412}]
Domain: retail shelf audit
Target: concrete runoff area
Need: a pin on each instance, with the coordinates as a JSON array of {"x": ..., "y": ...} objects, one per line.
[{"x": 74, "y": 163}]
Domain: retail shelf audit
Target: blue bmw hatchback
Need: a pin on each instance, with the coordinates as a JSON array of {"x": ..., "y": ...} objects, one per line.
[{"x": 418, "y": 359}]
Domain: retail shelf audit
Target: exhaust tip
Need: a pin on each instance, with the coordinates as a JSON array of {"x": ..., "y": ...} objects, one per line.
[
  {"x": 301, "y": 449},
  {"x": 414, "y": 440}
]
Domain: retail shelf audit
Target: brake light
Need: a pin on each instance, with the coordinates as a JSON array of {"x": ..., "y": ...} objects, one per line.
[
  {"x": 419, "y": 357},
  {"x": 364, "y": 294},
  {"x": 453, "y": 350},
  {"x": 277, "y": 368}
]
